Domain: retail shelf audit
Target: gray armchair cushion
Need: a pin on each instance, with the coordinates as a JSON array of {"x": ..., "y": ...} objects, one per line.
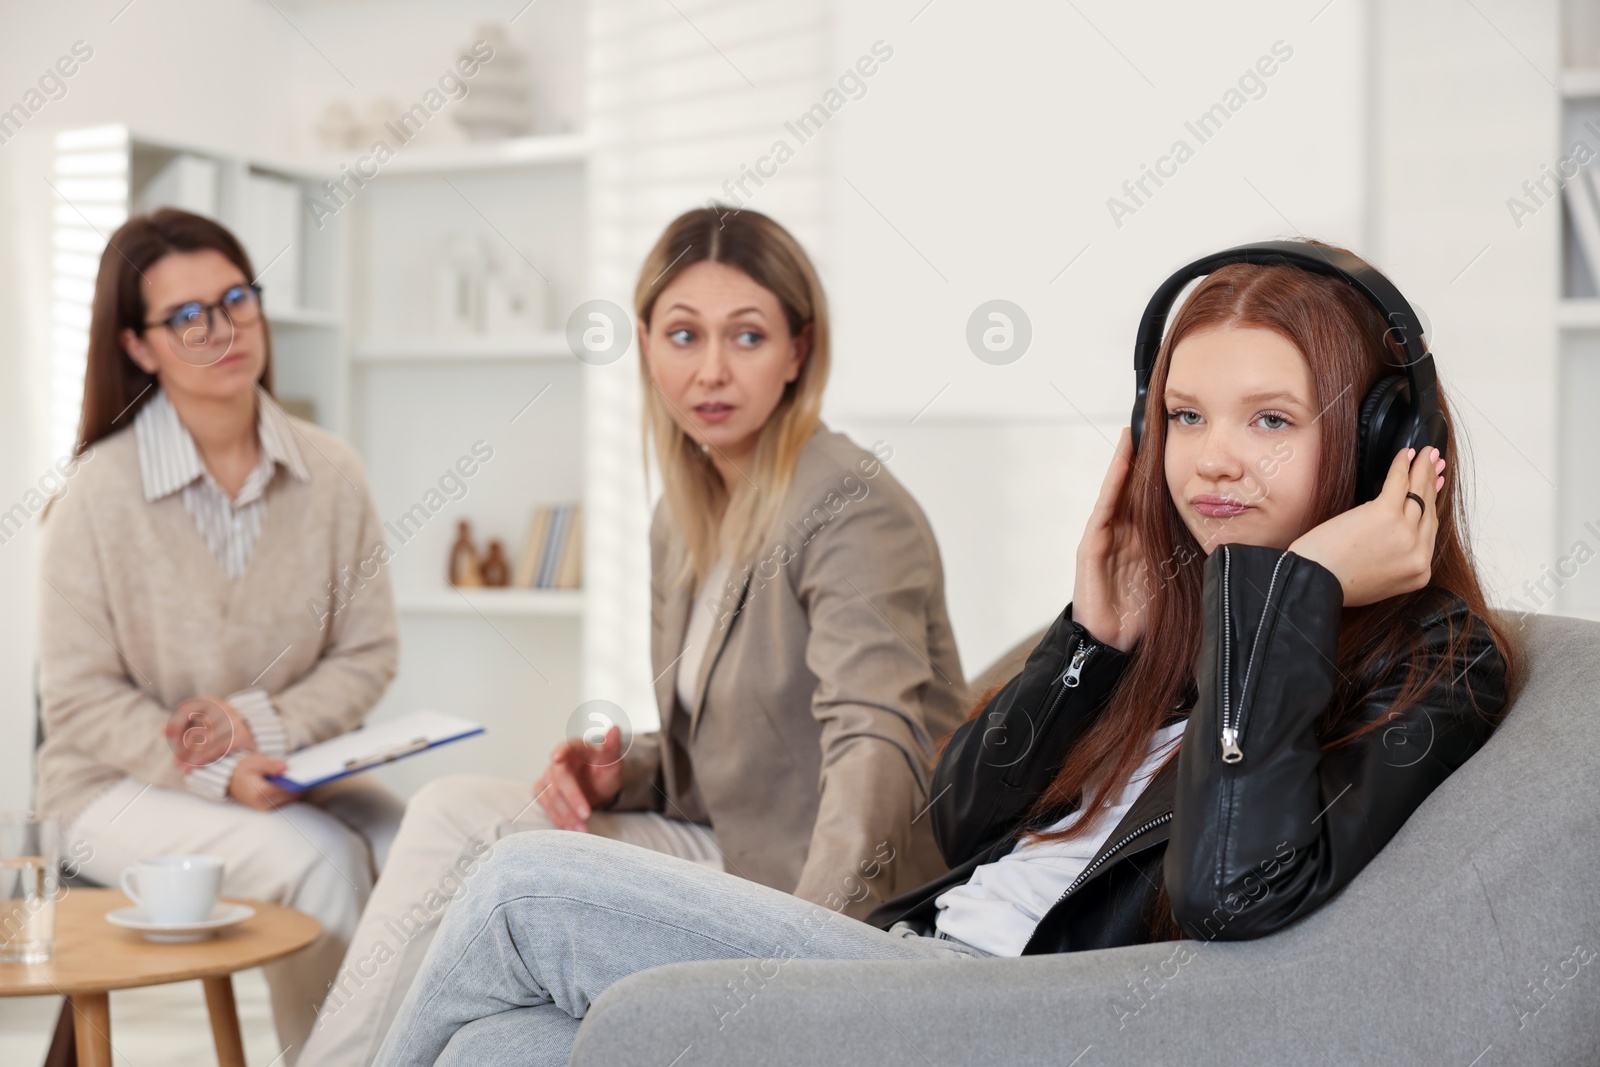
[{"x": 1472, "y": 939}]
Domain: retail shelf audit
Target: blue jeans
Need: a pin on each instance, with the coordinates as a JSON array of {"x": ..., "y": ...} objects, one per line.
[{"x": 554, "y": 918}]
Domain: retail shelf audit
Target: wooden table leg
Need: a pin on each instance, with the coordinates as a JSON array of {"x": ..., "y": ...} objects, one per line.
[
  {"x": 91, "y": 1019},
  {"x": 63, "y": 1046},
  {"x": 224, "y": 1021}
]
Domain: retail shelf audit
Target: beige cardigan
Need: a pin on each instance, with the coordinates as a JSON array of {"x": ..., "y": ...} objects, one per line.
[
  {"x": 137, "y": 615},
  {"x": 829, "y": 678}
]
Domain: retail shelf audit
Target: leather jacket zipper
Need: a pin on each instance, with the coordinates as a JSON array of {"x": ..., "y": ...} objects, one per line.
[
  {"x": 1230, "y": 733},
  {"x": 1069, "y": 678},
  {"x": 1074, "y": 669},
  {"x": 1232, "y": 721},
  {"x": 1112, "y": 851}
]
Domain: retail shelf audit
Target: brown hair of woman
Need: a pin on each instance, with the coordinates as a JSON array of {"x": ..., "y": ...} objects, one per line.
[{"x": 114, "y": 386}]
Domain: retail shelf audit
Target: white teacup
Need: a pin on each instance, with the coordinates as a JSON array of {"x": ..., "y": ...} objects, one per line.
[{"x": 175, "y": 889}]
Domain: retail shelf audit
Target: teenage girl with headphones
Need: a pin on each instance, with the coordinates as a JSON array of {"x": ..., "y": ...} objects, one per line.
[{"x": 1286, "y": 544}]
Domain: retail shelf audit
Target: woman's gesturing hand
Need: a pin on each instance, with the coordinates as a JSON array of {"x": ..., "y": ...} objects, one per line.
[
  {"x": 1107, "y": 594},
  {"x": 1384, "y": 547},
  {"x": 579, "y": 777}
]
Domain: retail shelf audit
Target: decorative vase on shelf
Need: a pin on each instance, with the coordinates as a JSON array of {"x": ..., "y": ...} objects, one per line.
[
  {"x": 513, "y": 298},
  {"x": 500, "y": 104},
  {"x": 496, "y": 574},
  {"x": 339, "y": 130},
  {"x": 465, "y": 572},
  {"x": 459, "y": 282}
]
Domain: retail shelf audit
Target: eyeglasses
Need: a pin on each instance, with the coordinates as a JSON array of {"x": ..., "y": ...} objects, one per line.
[{"x": 191, "y": 323}]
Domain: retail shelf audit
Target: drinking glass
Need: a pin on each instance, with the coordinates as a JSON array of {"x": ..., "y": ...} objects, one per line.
[{"x": 30, "y": 865}]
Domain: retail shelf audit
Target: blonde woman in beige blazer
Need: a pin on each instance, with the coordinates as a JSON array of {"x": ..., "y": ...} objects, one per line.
[
  {"x": 804, "y": 662},
  {"x": 820, "y": 677},
  {"x": 188, "y": 639}
]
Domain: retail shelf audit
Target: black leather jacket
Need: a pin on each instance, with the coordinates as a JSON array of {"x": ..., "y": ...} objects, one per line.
[{"x": 1253, "y": 825}]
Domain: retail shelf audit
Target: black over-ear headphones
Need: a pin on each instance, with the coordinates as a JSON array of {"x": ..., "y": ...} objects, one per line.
[{"x": 1401, "y": 411}]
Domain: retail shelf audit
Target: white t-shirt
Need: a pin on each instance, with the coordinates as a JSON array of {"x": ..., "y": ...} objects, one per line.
[
  {"x": 998, "y": 908},
  {"x": 697, "y": 635}
]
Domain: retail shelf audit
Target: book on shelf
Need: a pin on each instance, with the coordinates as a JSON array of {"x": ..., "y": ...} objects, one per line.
[
  {"x": 569, "y": 570},
  {"x": 553, "y": 555},
  {"x": 553, "y": 545},
  {"x": 528, "y": 561},
  {"x": 1580, "y": 197}
]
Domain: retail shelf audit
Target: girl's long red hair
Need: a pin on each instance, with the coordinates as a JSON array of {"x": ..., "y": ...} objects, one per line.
[{"x": 1342, "y": 337}]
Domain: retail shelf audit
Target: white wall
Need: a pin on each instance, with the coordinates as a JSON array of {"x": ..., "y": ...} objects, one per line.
[
  {"x": 1463, "y": 123},
  {"x": 22, "y": 461},
  {"x": 673, "y": 116},
  {"x": 977, "y": 167}
]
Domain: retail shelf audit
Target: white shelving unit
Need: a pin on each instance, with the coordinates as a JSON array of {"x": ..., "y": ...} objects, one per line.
[
  {"x": 102, "y": 174},
  {"x": 306, "y": 317},
  {"x": 426, "y": 402},
  {"x": 498, "y": 603},
  {"x": 475, "y": 426},
  {"x": 1577, "y": 83},
  {"x": 1578, "y": 313},
  {"x": 400, "y": 349},
  {"x": 514, "y": 153}
]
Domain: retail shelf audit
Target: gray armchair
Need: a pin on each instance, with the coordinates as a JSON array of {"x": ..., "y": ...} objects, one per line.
[{"x": 1473, "y": 939}]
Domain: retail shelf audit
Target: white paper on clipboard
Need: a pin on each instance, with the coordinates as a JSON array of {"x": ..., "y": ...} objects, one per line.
[{"x": 373, "y": 746}]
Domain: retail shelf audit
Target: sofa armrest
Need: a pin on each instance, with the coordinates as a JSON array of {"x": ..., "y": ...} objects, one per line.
[{"x": 1140, "y": 1005}]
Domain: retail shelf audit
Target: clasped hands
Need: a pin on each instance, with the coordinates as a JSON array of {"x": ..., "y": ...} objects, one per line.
[{"x": 203, "y": 730}]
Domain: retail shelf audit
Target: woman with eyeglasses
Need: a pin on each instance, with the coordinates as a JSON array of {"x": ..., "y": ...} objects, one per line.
[{"x": 179, "y": 661}]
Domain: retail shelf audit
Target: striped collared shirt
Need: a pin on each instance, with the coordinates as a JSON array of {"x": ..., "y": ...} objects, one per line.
[{"x": 169, "y": 462}]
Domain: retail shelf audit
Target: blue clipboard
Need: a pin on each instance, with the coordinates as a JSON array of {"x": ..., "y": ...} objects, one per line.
[{"x": 375, "y": 746}]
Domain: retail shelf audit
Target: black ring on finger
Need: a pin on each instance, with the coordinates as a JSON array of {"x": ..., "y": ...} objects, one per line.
[{"x": 1418, "y": 499}]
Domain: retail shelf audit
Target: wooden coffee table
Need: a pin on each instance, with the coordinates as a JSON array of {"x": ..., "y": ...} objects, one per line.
[{"x": 93, "y": 957}]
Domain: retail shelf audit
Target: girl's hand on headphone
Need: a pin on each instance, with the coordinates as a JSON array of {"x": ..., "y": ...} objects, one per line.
[
  {"x": 1383, "y": 548},
  {"x": 1106, "y": 595}
]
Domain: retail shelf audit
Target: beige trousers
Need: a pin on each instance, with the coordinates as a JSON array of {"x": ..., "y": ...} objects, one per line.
[
  {"x": 450, "y": 828},
  {"x": 320, "y": 855}
]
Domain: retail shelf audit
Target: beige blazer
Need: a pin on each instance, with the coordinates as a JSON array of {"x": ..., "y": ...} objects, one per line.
[{"x": 831, "y": 672}]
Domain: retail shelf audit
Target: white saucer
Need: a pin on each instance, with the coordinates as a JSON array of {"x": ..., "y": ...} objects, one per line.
[{"x": 222, "y": 916}]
